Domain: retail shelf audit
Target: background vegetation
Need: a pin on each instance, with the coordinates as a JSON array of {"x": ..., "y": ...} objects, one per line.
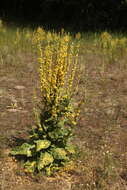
[{"x": 71, "y": 14}]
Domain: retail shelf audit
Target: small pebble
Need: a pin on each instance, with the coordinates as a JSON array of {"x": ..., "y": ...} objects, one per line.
[{"x": 19, "y": 87}]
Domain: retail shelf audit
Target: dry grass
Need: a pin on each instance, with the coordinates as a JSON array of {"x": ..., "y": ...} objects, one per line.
[{"x": 101, "y": 131}]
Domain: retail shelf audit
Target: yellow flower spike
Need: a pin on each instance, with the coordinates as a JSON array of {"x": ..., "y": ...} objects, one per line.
[
  {"x": 105, "y": 40},
  {"x": 62, "y": 31},
  {"x": 78, "y": 36},
  {"x": 41, "y": 33},
  {"x": 49, "y": 37},
  {"x": 57, "y": 69}
]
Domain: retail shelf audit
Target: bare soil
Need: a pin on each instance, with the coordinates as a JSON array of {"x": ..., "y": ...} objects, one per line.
[{"x": 101, "y": 130}]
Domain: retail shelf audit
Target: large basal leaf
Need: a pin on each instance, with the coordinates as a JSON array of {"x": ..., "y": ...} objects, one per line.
[
  {"x": 42, "y": 144},
  {"x": 59, "y": 153},
  {"x": 30, "y": 166},
  {"x": 45, "y": 159},
  {"x": 24, "y": 149}
]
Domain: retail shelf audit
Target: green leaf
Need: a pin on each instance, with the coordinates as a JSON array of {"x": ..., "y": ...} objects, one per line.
[
  {"x": 42, "y": 144},
  {"x": 45, "y": 159},
  {"x": 50, "y": 119},
  {"x": 61, "y": 123},
  {"x": 48, "y": 171},
  {"x": 30, "y": 166},
  {"x": 59, "y": 153},
  {"x": 70, "y": 149},
  {"x": 24, "y": 149},
  {"x": 58, "y": 133}
]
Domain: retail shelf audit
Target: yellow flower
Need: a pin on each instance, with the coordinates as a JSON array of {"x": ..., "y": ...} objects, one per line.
[{"x": 40, "y": 60}]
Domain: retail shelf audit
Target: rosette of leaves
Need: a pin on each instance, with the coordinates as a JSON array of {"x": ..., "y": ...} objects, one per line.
[
  {"x": 47, "y": 149},
  {"x": 32, "y": 153}
]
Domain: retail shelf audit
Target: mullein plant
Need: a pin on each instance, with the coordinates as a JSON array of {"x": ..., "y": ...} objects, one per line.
[
  {"x": 49, "y": 147},
  {"x": 113, "y": 47}
]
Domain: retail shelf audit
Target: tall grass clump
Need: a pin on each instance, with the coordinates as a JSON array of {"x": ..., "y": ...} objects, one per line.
[{"x": 49, "y": 147}]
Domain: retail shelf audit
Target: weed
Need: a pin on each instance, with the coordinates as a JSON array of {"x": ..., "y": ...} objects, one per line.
[{"x": 48, "y": 148}]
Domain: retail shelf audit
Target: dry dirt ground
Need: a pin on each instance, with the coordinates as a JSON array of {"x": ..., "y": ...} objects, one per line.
[{"x": 101, "y": 134}]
